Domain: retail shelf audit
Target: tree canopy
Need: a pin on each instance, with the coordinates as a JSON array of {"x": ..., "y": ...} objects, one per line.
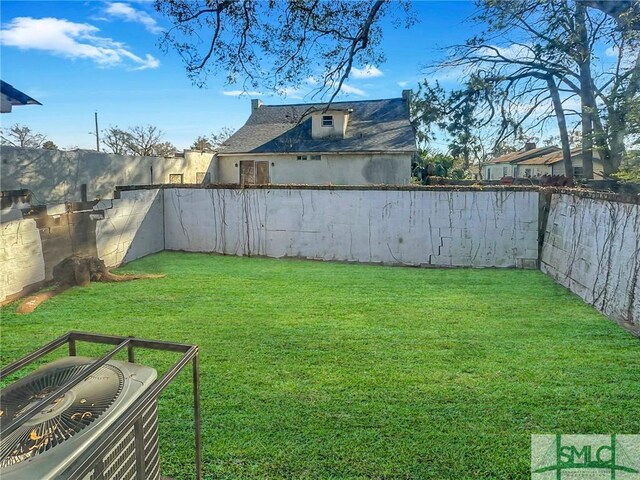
[
  {"x": 137, "y": 140},
  {"x": 538, "y": 61},
  {"x": 22, "y": 136},
  {"x": 279, "y": 44}
]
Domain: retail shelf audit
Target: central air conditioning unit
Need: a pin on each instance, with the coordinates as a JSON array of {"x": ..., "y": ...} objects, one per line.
[{"x": 51, "y": 441}]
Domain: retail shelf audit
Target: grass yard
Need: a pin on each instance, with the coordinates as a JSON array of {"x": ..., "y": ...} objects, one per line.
[{"x": 326, "y": 370}]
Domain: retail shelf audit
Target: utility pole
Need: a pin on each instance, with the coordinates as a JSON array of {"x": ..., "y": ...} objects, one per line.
[{"x": 97, "y": 133}]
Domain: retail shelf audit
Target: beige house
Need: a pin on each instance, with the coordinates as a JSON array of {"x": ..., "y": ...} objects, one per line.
[
  {"x": 532, "y": 162},
  {"x": 553, "y": 164},
  {"x": 345, "y": 143}
]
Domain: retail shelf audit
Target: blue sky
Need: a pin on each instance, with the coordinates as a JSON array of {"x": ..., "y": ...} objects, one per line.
[{"x": 80, "y": 57}]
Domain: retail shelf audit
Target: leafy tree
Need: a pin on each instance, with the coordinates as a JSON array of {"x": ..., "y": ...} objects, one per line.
[
  {"x": 22, "y": 136},
  {"x": 430, "y": 162},
  {"x": 535, "y": 56},
  {"x": 625, "y": 12},
  {"x": 278, "y": 44},
  {"x": 463, "y": 118},
  {"x": 630, "y": 168},
  {"x": 49, "y": 145},
  {"x": 202, "y": 144}
]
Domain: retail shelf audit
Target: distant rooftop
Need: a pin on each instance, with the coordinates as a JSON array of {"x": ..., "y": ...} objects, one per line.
[
  {"x": 554, "y": 157},
  {"x": 524, "y": 154}
]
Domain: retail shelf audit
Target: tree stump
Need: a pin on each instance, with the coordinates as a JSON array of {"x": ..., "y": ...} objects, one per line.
[{"x": 77, "y": 270}]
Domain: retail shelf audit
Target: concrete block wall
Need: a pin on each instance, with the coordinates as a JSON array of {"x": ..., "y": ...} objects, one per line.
[
  {"x": 21, "y": 259},
  {"x": 493, "y": 228},
  {"x": 117, "y": 231},
  {"x": 57, "y": 176},
  {"x": 132, "y": 226},
  {"x": 592, "y": 247}
]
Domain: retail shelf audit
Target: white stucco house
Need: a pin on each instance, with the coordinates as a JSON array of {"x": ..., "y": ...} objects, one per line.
[
  {"x": 532, "y": 162},
  {"x": 346, "y": 143}
]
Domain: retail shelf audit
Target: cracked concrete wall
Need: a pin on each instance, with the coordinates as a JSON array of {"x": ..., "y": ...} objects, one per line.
[
  {"x": 592, "y": 247},
  {"x": 438, "y": 228},
  {"x": 117, "y": 231}
]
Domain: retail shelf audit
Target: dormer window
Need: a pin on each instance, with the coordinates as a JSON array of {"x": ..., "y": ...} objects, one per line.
[{"x": 329, "y": 123}]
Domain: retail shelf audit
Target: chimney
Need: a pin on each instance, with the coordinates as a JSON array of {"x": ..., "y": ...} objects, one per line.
[
  {"x": 529, "y": 146},
  {"x": 256, "y": 103},
  {"x": 406, "y": 94}
]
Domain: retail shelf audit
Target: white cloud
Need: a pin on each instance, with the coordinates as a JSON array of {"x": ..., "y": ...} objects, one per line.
[
  {"x": 71, "y": 40},
  {"x": 403, "y": 84},
  {"x": 239, "y": 93},
  {"x": 291, "y": 92},
  {"x": 352, "y": 90},
  {"x": 130, "y": 14},
  {"x": 369, "y": 71}
]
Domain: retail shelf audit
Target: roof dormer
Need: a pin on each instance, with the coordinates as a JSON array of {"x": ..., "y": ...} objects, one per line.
[{"x": 330, "y": 123}]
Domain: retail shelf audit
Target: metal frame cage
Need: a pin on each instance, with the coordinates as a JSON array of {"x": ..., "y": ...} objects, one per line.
[{"x": 131, "y": 418}]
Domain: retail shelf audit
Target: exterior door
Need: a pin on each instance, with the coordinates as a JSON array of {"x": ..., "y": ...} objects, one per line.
[
  {"x": 247, "y": 172},
  {"x": 254, "y": 172},
  {"x": 262, "y": 173}
]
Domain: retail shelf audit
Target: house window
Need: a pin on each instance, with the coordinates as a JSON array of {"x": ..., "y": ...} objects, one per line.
[
  {"x": 527, "y": 172},
  {"x": 488, "y": 173},
  {"x": 315, "y": 157},
  {"x": 327, "y": 120},
  {"x": 302, "y": 157},
  {"x": 504, "y": 171},
  {"x": 578, "y": 172}
]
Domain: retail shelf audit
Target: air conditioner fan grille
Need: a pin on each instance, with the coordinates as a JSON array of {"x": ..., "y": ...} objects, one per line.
[{"x": 63, "y": 417}]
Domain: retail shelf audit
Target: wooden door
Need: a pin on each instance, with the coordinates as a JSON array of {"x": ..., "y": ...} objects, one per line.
[
  {"x": 247, "y": 172},
  {"x": 262, "y": 173}
]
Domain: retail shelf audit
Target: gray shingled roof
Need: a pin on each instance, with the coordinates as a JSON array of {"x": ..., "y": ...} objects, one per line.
[{"x": 374, "y": 125}]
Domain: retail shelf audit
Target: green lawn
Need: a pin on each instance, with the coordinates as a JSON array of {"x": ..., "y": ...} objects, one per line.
[{"x": 325, "y": 370}]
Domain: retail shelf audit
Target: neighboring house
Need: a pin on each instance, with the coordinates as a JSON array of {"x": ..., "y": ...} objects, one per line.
[
  {"x": 553, "y": 164},
  {"x": 507, "y": 165},
  {"x": 346, "y": 143},
  {"x": 532, "y": 162},
  {"x": 11, "y": 96}
]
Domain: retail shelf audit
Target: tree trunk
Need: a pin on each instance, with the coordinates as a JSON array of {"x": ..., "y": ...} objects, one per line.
[
  {"x": 602, "y": 145},
  {"x": 586, "y": 91},
  {"x": 562, "y": 127}
]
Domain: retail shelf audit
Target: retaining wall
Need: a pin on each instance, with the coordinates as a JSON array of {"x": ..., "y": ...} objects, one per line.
[
  {"x": 494, "y": 228},
  {"x": 591, "y": 241},
  {"x": 116, "y": 231},
  {"x": 592, "y": 247}
]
